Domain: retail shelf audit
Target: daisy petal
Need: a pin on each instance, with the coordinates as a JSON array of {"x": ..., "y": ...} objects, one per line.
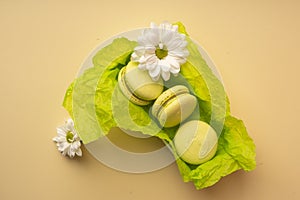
[
  {"x": 173, "y": 61},
  {"x": 165, "y": 75},
  {"x": 155, "y": 72},
  {"x": 164, "y": 65},
  {"x": 153, "y": 25},
  {"x": 151, "y": 66},
  {"x": 174, "y": 71},
  {"x": 156, "y": 78},
  {"x": 61, "y": 132},
  {"x": 167, "y": 37},
  {"x": 135, "y": 58},
  {"x": 142, "y": 66},
  {"x": 152, "y": 38},
  {"x": 175, "y": 28},
  {"x": 79, "y": 152}
]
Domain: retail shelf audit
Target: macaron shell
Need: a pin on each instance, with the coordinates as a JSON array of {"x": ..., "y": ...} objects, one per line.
[
  {"x": 141, "y": 84},
  {"x": 166, "y": 96},
  {"x": 127, "y": 92},
  {"x": 196, "y": 142},
  {"x": 177, "y": 110}
]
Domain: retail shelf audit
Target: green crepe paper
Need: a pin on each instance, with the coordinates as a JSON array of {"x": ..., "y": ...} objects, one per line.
[
  {"x": 88, "y": 98},
  {"x": 96, "y": 105}
]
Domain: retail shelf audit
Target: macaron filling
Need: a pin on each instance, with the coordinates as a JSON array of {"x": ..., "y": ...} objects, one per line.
[
  {"x": 168, "y": 100},
  {"x": 174, "y": 106}
]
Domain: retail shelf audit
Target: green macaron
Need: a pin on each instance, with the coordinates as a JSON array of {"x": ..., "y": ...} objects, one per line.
[
  {"x": 137, "y": 85},
  {"x": 196, "y": 142},
  {"x": 173, "y": 106}
]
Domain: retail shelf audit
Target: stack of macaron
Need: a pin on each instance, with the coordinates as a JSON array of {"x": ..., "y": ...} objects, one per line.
[{"x": 195, "y": 141}]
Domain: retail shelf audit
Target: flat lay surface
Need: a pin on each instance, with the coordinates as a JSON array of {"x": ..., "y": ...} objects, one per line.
[{"x": 254, "y": 45}]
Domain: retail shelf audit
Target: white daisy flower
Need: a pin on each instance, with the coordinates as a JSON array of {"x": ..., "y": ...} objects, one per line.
[
  {"x": 161, "y": 50},
  {"x": 67, "y": 140}
]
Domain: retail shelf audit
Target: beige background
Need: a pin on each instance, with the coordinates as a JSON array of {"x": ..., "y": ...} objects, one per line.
[{"x": 255, "y": 45}]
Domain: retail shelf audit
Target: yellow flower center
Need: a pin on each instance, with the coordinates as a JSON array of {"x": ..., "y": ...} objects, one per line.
[
  {"x": 161, "y": 52},
  {"x": 69, "y": 137}
]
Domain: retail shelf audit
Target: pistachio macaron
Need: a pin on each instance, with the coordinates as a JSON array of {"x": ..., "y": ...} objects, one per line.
[
  {"x": 173, "y": 106},
  {"x": 137, "y": 85},
  {"x": 196, "y": 142}
]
